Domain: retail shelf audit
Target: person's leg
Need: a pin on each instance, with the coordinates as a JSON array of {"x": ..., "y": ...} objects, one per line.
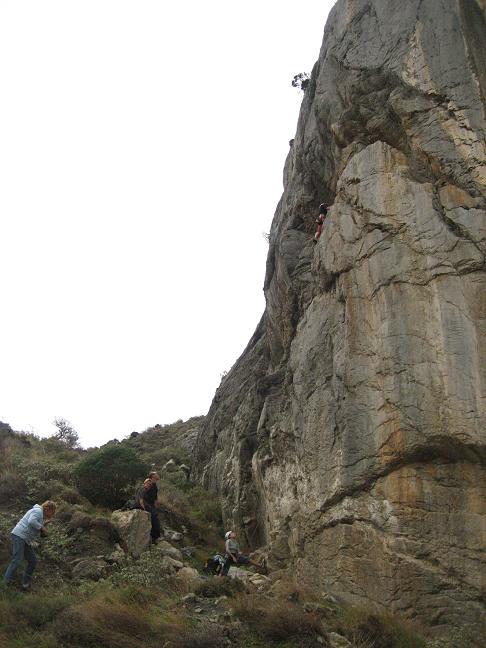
[
  {"x": 29, "y": 554},
  {"x": 244, "y": 560},
  {"x": 155, "y": 531},
  {"x": 17, "y": 556},
  {"x": 226, "y": 566}
]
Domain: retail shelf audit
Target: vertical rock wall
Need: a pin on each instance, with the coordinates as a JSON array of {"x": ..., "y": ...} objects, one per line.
[{"x": 350, "y": 436}]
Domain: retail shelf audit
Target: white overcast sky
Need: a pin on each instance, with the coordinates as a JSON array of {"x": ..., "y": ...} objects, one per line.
[{"x": 141, "y": 154}]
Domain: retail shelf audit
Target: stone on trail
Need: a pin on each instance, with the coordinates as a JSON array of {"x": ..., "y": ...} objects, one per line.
[
  {"x": 169, "y": 566},
  {"x": 166, "y": 549},
  {"x": 338, "y": 641},
  {"x": 172, "y": 535},
  {"x": 89, "y": 568}
]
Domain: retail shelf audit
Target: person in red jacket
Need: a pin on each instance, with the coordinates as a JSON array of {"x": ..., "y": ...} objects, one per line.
[{"x": 320, "y": 220}]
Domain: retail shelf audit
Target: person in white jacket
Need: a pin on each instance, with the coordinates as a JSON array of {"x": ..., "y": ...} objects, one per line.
[{"x": 28, "y": 528}]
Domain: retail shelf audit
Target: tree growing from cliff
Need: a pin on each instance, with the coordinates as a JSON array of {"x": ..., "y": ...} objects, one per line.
[
  {"x": 104, "y": 475},
  {"x": 301, "y": 81}
]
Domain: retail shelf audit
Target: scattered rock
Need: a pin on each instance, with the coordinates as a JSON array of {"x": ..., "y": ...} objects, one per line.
[
  {"x": 173, "y": 536},
  {"x": 79, "y": 521},
  {"x": 171, "y": 466},
  {"x": 117, "y": 555},
  {"x": 188, "y": 574},
  {"x": 166, "y": 549},
  {"x": 170, "y": 566},
  {"x": 219, "y": 600},
  {"x": 336, "y": 641},
  {"x": 185, "y": 469},
  {"x": 89, "y": 569},
  {"x": 319, "y": 609}
]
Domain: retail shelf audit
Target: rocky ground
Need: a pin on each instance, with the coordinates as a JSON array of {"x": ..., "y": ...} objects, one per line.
[{"x": 101, "y": 582}]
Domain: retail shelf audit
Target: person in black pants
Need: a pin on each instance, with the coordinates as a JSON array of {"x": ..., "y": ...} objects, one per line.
[{"x": 150, "y": 499}]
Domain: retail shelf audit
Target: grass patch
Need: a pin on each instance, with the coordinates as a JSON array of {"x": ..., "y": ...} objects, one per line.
[
  {"x": 277, "y": 620},
  {"x": 217, "y": 586},
  {"x": 371, "y": 630}
]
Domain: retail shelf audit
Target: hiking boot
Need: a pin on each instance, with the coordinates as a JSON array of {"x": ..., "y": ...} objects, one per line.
[{"x": 25, "y": 587}]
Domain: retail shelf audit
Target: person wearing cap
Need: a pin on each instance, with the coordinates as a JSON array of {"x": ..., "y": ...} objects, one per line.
[
  {"x": 234, "y": 557},
  {"x": 30, "y": 527},
  {"x": 320, "y": 220}
]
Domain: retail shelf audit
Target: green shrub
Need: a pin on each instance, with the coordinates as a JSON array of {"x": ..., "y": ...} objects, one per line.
[
  {"x": 58, "y": 545},
  {"x": 45, "y": 475},
  {"x": 12, "y": 489},
  {"x": 105, "y": 474},
  {"x": 146, "y": 571}
]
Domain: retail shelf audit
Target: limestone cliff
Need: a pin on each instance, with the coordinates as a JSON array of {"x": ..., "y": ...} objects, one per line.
[{"x": 350, "y": 436}]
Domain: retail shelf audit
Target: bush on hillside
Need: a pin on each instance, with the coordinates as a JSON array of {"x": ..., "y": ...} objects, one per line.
[
  {"x": 44, "y": 477},
  {"x": 12, "y": 489},
  {"x": 105, "y": 474}
]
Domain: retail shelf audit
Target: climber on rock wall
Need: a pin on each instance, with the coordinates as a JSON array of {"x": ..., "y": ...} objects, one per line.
[{"x": 320, "y": 220}]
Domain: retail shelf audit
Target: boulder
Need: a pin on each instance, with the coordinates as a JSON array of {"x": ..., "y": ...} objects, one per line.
[
  {"x": 172, "y": 535},
  {"x": 188, "y": 574},
  {"x": 338, "y": 641},
  {"x": 166, "y": 549},
  {"x": 117, "y": 555},
  {"x": 133, "y": 528},
  {"x": 90, "y": 569},
  {"x": 170, "y": 466},
  {"x": 79, "y": 521},
  {"x": 169, "y": 566},
  {"x": 185, "y": 469}
]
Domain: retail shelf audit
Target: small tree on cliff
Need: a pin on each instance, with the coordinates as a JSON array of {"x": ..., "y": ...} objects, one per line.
[
  {"x": 301, "y": 81},
  {"x": 104, "y": 475}
]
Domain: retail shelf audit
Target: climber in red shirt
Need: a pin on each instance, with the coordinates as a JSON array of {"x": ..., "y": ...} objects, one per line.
[{"x": 320, "y": 220}]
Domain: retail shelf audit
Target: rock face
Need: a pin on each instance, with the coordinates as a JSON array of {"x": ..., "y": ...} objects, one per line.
[{"x": 350, "y": 436}]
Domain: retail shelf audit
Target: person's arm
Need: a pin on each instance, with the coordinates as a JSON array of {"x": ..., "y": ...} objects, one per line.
[{"x": 36, "y": 521}]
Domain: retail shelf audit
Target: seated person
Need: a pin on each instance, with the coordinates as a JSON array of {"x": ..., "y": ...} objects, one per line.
[{"x": 234, "y": 557}]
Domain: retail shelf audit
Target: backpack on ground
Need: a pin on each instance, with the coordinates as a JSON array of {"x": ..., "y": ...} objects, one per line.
[{"x": 214, "y": 565}]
